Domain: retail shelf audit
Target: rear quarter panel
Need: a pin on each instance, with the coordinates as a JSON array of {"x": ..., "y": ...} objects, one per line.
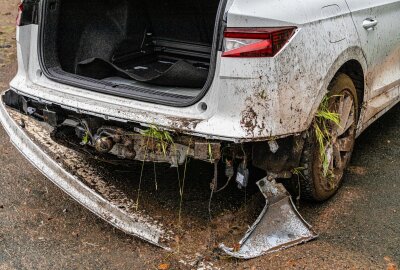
[{"x": 279, "y": 95}]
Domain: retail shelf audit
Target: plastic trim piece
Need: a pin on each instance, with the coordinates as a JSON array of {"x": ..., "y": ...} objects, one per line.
[{"x": 128, "y": 223}]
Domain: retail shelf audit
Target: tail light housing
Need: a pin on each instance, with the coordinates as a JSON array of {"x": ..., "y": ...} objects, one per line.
[
  {"x": 19, "y": 16},
  {"x": 27, "y": 12},
  {"x": 255, "y": 42}
]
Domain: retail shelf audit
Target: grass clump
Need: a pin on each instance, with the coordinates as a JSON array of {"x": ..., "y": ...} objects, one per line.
[
  {"x": 86, "y": 138},
  {"x": 323, "y": 122},
  {"x": 163, "y": 137},
  {"x": 163, "y": 140}
]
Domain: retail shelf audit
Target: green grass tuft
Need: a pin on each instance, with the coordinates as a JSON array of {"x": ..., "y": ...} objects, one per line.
[
  {"x": 163, "y": 137},
  {"x": 323, "y": 122}
]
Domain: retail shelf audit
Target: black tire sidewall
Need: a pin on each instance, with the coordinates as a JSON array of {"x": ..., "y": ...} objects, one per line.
[{"x": 310, "y": 183}]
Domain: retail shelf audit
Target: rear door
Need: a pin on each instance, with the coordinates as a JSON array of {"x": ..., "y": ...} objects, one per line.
[{"x": 378, "y": 26}]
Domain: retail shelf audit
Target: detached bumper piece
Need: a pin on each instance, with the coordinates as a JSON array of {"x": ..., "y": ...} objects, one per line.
[
  {"x": 279, "y": 226},
  {"x": 133, "y": 224}
]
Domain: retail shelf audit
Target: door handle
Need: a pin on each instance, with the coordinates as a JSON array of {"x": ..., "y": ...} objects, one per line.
[{"x": 369, "y": 24}]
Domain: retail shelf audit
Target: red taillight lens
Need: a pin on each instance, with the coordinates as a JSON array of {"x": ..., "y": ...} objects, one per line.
[
  {"x": 20, "y": 10},
  {"x": 255, "y": 42}
]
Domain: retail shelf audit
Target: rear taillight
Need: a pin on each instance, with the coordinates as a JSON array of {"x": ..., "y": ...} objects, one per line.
[
  {"x": 255, "y": 42},
  {"x": 27, "y": 12},
  {"x": 19, "y": 16}
]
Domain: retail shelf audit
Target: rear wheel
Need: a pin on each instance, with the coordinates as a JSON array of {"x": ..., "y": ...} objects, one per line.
[{"x": 324, "y": 163}]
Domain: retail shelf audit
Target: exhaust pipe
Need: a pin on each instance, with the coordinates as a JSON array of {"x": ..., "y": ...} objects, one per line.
[{"x": 104, "y": 144}]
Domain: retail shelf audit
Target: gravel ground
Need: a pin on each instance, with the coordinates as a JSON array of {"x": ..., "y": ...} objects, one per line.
[{"x": 41, "y": 228}]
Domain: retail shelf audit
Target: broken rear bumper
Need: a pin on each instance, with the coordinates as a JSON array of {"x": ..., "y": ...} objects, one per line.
[
  {"x": 278, "y": 226},
  {"x": 131, "y": 224}
]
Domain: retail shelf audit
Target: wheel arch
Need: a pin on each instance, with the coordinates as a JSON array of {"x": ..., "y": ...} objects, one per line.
[
  {"x": 354, "y": 70},
  {"x": 351, "y": 62}
]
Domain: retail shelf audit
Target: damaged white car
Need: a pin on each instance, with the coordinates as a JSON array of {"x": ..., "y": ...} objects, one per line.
[{"x": 281, "y": 87}]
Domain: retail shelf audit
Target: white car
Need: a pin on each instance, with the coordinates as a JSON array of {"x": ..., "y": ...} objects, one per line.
[{"x": 283, "y": 86}]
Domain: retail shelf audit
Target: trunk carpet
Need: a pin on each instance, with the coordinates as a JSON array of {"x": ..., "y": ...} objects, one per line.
[{"x": 179, "y": 74}]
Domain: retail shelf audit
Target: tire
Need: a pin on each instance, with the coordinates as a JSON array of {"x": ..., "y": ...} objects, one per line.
[{"x": 316, "y": 182}]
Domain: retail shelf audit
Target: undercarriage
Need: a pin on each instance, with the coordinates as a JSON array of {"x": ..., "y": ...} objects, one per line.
[{"x": 145, "y": 179}]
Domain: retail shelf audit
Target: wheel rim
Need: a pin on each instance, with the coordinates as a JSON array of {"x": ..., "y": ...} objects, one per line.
[{"x": 338, "y": 151}]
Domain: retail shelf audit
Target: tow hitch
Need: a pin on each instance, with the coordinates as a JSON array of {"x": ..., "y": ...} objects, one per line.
[{"x": 279, "y": 225}]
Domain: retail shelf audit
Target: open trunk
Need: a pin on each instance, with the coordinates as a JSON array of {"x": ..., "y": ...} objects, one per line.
[{"x": 162, "y": 51}]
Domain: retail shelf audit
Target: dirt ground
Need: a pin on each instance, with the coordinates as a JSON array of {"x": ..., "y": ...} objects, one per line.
[{"x": 42, "y": 228}]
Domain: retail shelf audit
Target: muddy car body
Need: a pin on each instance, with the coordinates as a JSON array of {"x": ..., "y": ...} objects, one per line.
[{"x": 239, "y": 79}]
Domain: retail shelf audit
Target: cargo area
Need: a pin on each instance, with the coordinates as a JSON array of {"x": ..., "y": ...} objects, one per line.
[{"x": 154, "y": 49}]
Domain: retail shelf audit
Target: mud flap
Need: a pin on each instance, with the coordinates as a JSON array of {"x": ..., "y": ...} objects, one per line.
[{"x": 279, "y": 225}]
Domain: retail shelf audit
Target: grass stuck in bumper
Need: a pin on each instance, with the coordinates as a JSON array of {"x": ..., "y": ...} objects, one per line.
[
  {"x": 160, "y": 186},
  {"x": 174, "y": 214}
]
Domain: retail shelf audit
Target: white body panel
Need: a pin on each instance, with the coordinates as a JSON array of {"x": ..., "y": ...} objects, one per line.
[
  {"x": 255, "y": 98},
  {"x": 381, "y": 46}
]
